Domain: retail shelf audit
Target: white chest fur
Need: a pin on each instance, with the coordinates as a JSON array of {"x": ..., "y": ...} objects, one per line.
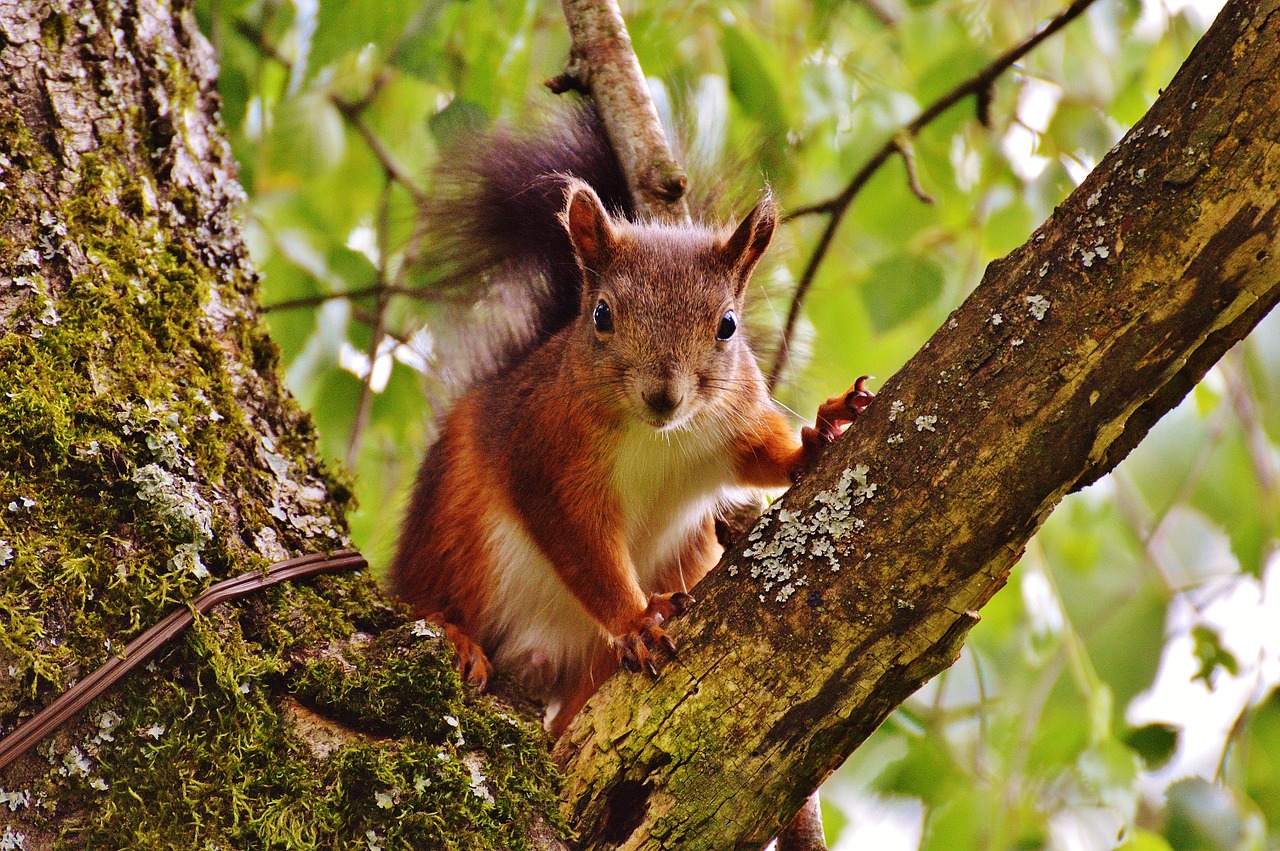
[{"x": 666, "y": 483}]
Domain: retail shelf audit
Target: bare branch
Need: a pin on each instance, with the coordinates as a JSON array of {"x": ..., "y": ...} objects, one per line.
[
  {"x": 361, "y": 419},
  {"x": 603, "y": 64},
  {"x": 838, "y": 205},
  {"x": 354, "y": 115},
  {"x": 880, "y": 9}
]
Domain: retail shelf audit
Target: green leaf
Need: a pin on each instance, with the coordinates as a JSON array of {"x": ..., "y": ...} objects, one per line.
[
  {"x": 340, "y": 392},
  {"x": 756, "y": 83},
  {"x": 1261, "y": 748},
  {"x": 307, "y": 137},
  {"x": 1211, "y": 654},
  {"x": 899, "y": 288},
  {"x": 1202, "y": 817},
  {"x": 1155, "y": 743},
  {"x": 457, "y": 121},
  {"x": 927, "y": 772},
  {"x": 958, "y": 824},
  {"x": 342, "y": 27},
  {"x": 1143, "y": 840}
]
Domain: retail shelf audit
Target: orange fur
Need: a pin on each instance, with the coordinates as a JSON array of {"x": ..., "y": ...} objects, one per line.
[{"x": 568, "y": 503}]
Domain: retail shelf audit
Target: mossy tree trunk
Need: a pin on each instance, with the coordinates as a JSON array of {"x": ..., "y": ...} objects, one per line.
[
  {"x": 145, "y": 441},
  {"x": 147, "y": 448},
  {"x": 862, "y": 582}
]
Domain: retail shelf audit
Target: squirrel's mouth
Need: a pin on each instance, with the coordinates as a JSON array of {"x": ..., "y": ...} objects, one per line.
[
  {"x": 669, "y": 421},
  {"x": 665, "y": 406}
]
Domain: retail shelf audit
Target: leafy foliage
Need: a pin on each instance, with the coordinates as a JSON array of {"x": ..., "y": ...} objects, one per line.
[{"x": 1136, "y": 644}]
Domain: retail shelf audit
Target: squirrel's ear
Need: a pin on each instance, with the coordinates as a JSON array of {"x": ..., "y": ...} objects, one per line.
[
  {"x": 590, "y": 229},
  {"x": 747, "y": 245}
]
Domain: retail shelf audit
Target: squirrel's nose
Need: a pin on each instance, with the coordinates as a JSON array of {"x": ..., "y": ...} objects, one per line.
[{"x": 660, "y": 401}]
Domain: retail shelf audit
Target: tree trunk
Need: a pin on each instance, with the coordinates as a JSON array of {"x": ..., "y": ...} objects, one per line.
[
  {"x": 145, "y": 440},
  {"x": 862, "y": 582},
  {"x": 147, "y": 448}
]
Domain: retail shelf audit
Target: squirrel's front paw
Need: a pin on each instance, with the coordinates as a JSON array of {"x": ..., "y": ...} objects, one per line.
[
  {"x": 833, "y": 415},
  {"x": 841, "y": 410},
  {"x": 635, "y": 646}
]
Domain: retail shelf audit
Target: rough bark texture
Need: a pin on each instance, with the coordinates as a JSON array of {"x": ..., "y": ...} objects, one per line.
[
  {"x": 147, "y": 448},
  {"x": 602, "y": 63},
  {"x": 862, "y": 582}
]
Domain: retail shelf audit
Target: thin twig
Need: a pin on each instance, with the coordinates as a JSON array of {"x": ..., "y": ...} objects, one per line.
[
  {"x": 838, "y": 205},
  {"x": 351, "y": 111},
  {"x": 379, "y": 333},
  {"x": 419, "y": 293},
  {"x": 881, "y": 12},
  {"x": 255, "y": 37},
  {"x": 907, "y": 151}
]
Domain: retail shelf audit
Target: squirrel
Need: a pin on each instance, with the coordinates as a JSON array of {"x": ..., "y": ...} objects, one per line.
[{"x": 567, "y": 506}]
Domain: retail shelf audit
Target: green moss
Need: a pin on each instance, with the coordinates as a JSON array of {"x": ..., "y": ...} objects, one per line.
[
  {"x": 470, "y": 778},
  {"x": 122, "y": 445}
]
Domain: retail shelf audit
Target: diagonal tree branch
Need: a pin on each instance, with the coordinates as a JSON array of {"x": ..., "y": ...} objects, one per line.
[
  {"x": 603, "y": 65},
  {"x": 836, "y": 207},
  {"x": 861, "y": 582}
]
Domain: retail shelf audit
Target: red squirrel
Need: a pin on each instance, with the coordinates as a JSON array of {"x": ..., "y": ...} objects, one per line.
[{"x": 567, "y": 506}]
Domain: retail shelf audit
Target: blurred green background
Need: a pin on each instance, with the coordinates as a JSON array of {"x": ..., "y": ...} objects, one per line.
[{"x": 1120, "y": 691}]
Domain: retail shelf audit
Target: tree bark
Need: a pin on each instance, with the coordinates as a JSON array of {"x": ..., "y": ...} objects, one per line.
[
  {"x": 862, "y": 582},
  {"x": 147, "y": 449},
  {"x": 602, "y": 64}
]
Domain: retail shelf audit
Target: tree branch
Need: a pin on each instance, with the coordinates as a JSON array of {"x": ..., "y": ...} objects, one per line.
[
  {"x": 603, "y": 64},
  {"x": 836, "y": 207},
  {"x": 351, "y": 112},
  {"x": 858, "y": 585}
]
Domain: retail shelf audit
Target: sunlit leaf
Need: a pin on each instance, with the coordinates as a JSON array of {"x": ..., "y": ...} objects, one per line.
[
  {"x": 1202, "y": 817},
  {"x": 900, "y": 287},
  {"x": 343, "y": 27},
  {"x": 1261, "y": 750}
]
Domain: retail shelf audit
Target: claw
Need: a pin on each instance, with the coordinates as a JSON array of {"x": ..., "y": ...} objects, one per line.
[
  {"x": 680, "y": 601},
  {"x": 469, "y": 659},
  {"x": 833, "y": 415},
  {"x": 635, "y": 647},
  {"x": 859, "y": 397}
]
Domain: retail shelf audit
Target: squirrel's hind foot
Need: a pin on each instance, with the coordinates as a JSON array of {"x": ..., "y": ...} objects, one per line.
[
  {"x": 469, "y": 659},
  {"x": 635, "y": 647}
]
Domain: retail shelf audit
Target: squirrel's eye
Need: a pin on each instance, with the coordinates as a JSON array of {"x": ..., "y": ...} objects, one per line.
[
  {"x": 603, "y": 318},
  {"x": 728, "y": 324}
]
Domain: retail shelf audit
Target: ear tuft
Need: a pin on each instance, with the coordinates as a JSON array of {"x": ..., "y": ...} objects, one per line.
[
  {"x": 589, "y": 226},
  {"x": 743, "y": 250}
]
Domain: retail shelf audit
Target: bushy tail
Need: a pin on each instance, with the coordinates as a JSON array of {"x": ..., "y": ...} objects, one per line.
[{"x": 492, "y": 227}]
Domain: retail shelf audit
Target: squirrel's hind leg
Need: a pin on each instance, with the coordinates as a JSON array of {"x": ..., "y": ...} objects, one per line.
[
  {"x": 469, "y": 657},
  {"x": 578, "y": 686}
]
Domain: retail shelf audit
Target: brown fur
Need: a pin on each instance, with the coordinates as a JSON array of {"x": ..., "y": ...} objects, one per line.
[{"x": 543, "y": 448}]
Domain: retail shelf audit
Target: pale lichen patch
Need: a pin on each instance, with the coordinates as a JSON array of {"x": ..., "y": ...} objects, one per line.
[
  {"x": 1037, "y": 305},
  {"x": 800, "y": 539}
]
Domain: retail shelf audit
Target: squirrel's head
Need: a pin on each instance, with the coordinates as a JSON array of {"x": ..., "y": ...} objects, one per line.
[{"x": 661, "y": 310}]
